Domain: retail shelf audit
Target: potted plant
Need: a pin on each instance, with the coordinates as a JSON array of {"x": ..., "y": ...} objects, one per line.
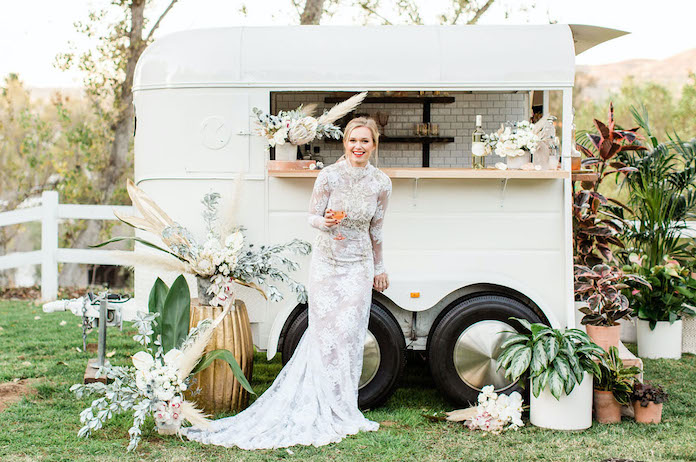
[
  {"x": 660, "y": 309},
  {"x": 558, "y": 363},
  {"x": 600, "y": 287},
  {"x": 613, "y": 388},
  {"x": 647, "y": 402}
]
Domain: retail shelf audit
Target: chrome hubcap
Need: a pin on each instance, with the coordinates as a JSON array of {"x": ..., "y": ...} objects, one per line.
[
  {"x": 371, "y": 359},
  {"x": 476, "y": 352}
]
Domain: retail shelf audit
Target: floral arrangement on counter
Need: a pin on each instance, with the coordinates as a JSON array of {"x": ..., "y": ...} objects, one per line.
[
  {"x": 155, "y": 383},
  {"x": 298, "y": 127},
  {"x": 223, "y": 259},
  {"x": 494, "y": 413},
  {"x": 515, "y": 139}
]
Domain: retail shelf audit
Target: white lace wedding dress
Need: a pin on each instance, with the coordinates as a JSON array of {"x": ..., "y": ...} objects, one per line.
[{"x": 314, "y": 399}]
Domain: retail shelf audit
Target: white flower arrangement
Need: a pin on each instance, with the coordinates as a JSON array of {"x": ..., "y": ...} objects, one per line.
[
  {"x": 154, "y": 385},
  {"x": 515, "y": 141},
  {"x": 496, "y": 413},
  {"x": 224, "y": 258},
  {"x": 298, "y": 127}
]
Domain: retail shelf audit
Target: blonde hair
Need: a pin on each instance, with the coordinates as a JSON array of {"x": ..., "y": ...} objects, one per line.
[{"x": 363, "y": 122}]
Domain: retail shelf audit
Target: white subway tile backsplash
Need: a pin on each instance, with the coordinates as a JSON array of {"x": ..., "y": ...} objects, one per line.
[{"x": 456, "y": 120}]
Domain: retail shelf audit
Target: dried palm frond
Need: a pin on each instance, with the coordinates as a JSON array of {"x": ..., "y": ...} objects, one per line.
[
  {"x": 160, "y": 261},
  {"x": 154, "y": 220},
  {"x": 191, "y": 353},
  {"x": 342, "y": 109},
  {"x": 229, "y": 207},
  {"x": 307, "y": 110},
  {"x": 194, "y": 415},
  {"x": 461, "y": 415}
]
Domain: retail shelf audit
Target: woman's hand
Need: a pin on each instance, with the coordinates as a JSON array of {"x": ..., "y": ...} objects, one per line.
[
  {"x": 381, "y": 282},
  {"x": 329, "y": 221}
]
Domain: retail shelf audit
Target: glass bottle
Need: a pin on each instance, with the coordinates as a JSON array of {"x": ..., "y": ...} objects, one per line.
[{"x": 478, "y": 148}]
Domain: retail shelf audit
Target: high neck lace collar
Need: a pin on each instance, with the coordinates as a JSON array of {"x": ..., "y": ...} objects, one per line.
[{"x": 356, "y": 172}]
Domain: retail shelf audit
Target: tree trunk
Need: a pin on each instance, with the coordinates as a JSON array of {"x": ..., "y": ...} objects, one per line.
[
  {"x": 312, "y": 12},
  {"x": 75, "y": 274}
]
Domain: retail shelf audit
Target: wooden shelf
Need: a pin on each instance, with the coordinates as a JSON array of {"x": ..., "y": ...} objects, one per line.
[
  {"x": 396, "y": 99},
  {"x": 407, "y": 139},
  {"x": 445, "y": 173},
  {"x": 585, "y": 176}
]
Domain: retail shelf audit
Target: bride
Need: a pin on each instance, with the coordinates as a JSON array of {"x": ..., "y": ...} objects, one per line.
[{"x": 314, "y": 399}]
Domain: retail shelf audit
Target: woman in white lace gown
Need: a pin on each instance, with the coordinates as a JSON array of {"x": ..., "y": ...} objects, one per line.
[{"x": 314, "y": 399}]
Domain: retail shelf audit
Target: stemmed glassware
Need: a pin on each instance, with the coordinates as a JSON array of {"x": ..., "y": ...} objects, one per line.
[{"x": 338, "y": 213}]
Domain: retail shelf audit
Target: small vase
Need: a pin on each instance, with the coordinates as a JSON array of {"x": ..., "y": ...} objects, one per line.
[
  {"x": 650, "y": 414},
  {"x": 285, "y": 151},
  {"x": 517, "y": 162},
  {"x": 605, "y": 336},
  {"x": 478, "y": 162},
  {"x": 607, "y": 409},
  {"x": 168, "y": 429},
  {"x": 204, "y": 297}
]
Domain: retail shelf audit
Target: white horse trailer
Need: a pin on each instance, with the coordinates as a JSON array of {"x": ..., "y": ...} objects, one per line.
[{"x": 465, "y": 249}]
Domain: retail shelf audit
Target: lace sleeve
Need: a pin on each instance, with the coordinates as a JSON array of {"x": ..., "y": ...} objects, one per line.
[
  {"x": 376, "y": 227},
  {"x": 318, "y": 202}
]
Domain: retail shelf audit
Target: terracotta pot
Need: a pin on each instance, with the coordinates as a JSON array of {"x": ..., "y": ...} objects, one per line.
[
  {"x": 219, "y": 390},
  {"x": 605, "y": 336},
  {"x": 606, "y": 409},
  {"x": 650, "y": 414}
]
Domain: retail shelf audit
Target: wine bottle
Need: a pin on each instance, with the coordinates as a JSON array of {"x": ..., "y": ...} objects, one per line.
[{"x": 478, "y": 149}]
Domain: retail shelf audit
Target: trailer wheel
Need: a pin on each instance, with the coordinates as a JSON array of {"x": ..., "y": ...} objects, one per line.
[
  {"x": 384, "y": 356},
  {"x": 464, "y": 346}
]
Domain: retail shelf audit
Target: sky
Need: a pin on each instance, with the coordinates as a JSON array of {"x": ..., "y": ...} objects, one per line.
[{"x": 33, "y": 32}]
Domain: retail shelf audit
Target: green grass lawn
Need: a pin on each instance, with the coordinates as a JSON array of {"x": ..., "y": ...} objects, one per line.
[{"x": 43, "y": 425}]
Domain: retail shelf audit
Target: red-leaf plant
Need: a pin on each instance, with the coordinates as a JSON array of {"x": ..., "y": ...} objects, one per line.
[
  {"x": 592, "y": 235},
  {"x": 601, "y": 288}
]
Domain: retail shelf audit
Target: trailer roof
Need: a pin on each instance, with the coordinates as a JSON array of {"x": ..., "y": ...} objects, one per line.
[{"x": 378, "y": 57}]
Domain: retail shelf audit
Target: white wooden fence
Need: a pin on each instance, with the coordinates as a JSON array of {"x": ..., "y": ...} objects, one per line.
[{"x": 49, "y": 213}]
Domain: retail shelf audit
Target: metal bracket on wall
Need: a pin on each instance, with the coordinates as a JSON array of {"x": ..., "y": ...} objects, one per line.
[{"x": 503, "y": 187}]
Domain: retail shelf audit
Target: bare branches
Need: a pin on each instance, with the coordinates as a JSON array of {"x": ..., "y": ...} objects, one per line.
[
  {"x": 480, "y": 12},
  {"x": 372, "y": 11},
  {"x": 159, "y": 20}
]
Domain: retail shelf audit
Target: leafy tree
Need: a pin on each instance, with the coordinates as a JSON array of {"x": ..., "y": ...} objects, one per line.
[{"x": 104, "y": 144}]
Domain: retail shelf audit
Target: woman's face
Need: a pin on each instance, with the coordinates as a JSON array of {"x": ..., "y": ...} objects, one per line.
[{"x": 359, "y": 146}]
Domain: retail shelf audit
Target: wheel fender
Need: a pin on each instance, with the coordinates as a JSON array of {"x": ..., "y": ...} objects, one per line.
[{"x": 276, "y": 328}]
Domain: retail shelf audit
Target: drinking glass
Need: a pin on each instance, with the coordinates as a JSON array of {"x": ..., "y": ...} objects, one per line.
[{"x": 338, "y": 212}]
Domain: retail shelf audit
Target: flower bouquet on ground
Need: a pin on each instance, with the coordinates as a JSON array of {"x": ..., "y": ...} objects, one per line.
[
  {"x": 299, "y": 127},
  {"x": 160, "y": 374},
  {"x": 494, "y": 413},
  {"x": 222, "y": 260}
]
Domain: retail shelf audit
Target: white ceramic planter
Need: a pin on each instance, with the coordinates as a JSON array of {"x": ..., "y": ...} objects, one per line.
[
  {"x": 629, "y": 333},
  {"x": 571, "y": 412},
  {"x": 286, "y": 151},
  {"x": 518, "y": 162},
  {"x": 665, "y": 341}
]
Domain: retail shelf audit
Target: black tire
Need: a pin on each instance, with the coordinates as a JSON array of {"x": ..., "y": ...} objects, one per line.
[
  {"x": 443, "y": 339},
  {"x": 392, "y": 349}
]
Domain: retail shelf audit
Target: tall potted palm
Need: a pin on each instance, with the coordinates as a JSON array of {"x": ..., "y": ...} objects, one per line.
[{"x": 558, "y": 365}]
